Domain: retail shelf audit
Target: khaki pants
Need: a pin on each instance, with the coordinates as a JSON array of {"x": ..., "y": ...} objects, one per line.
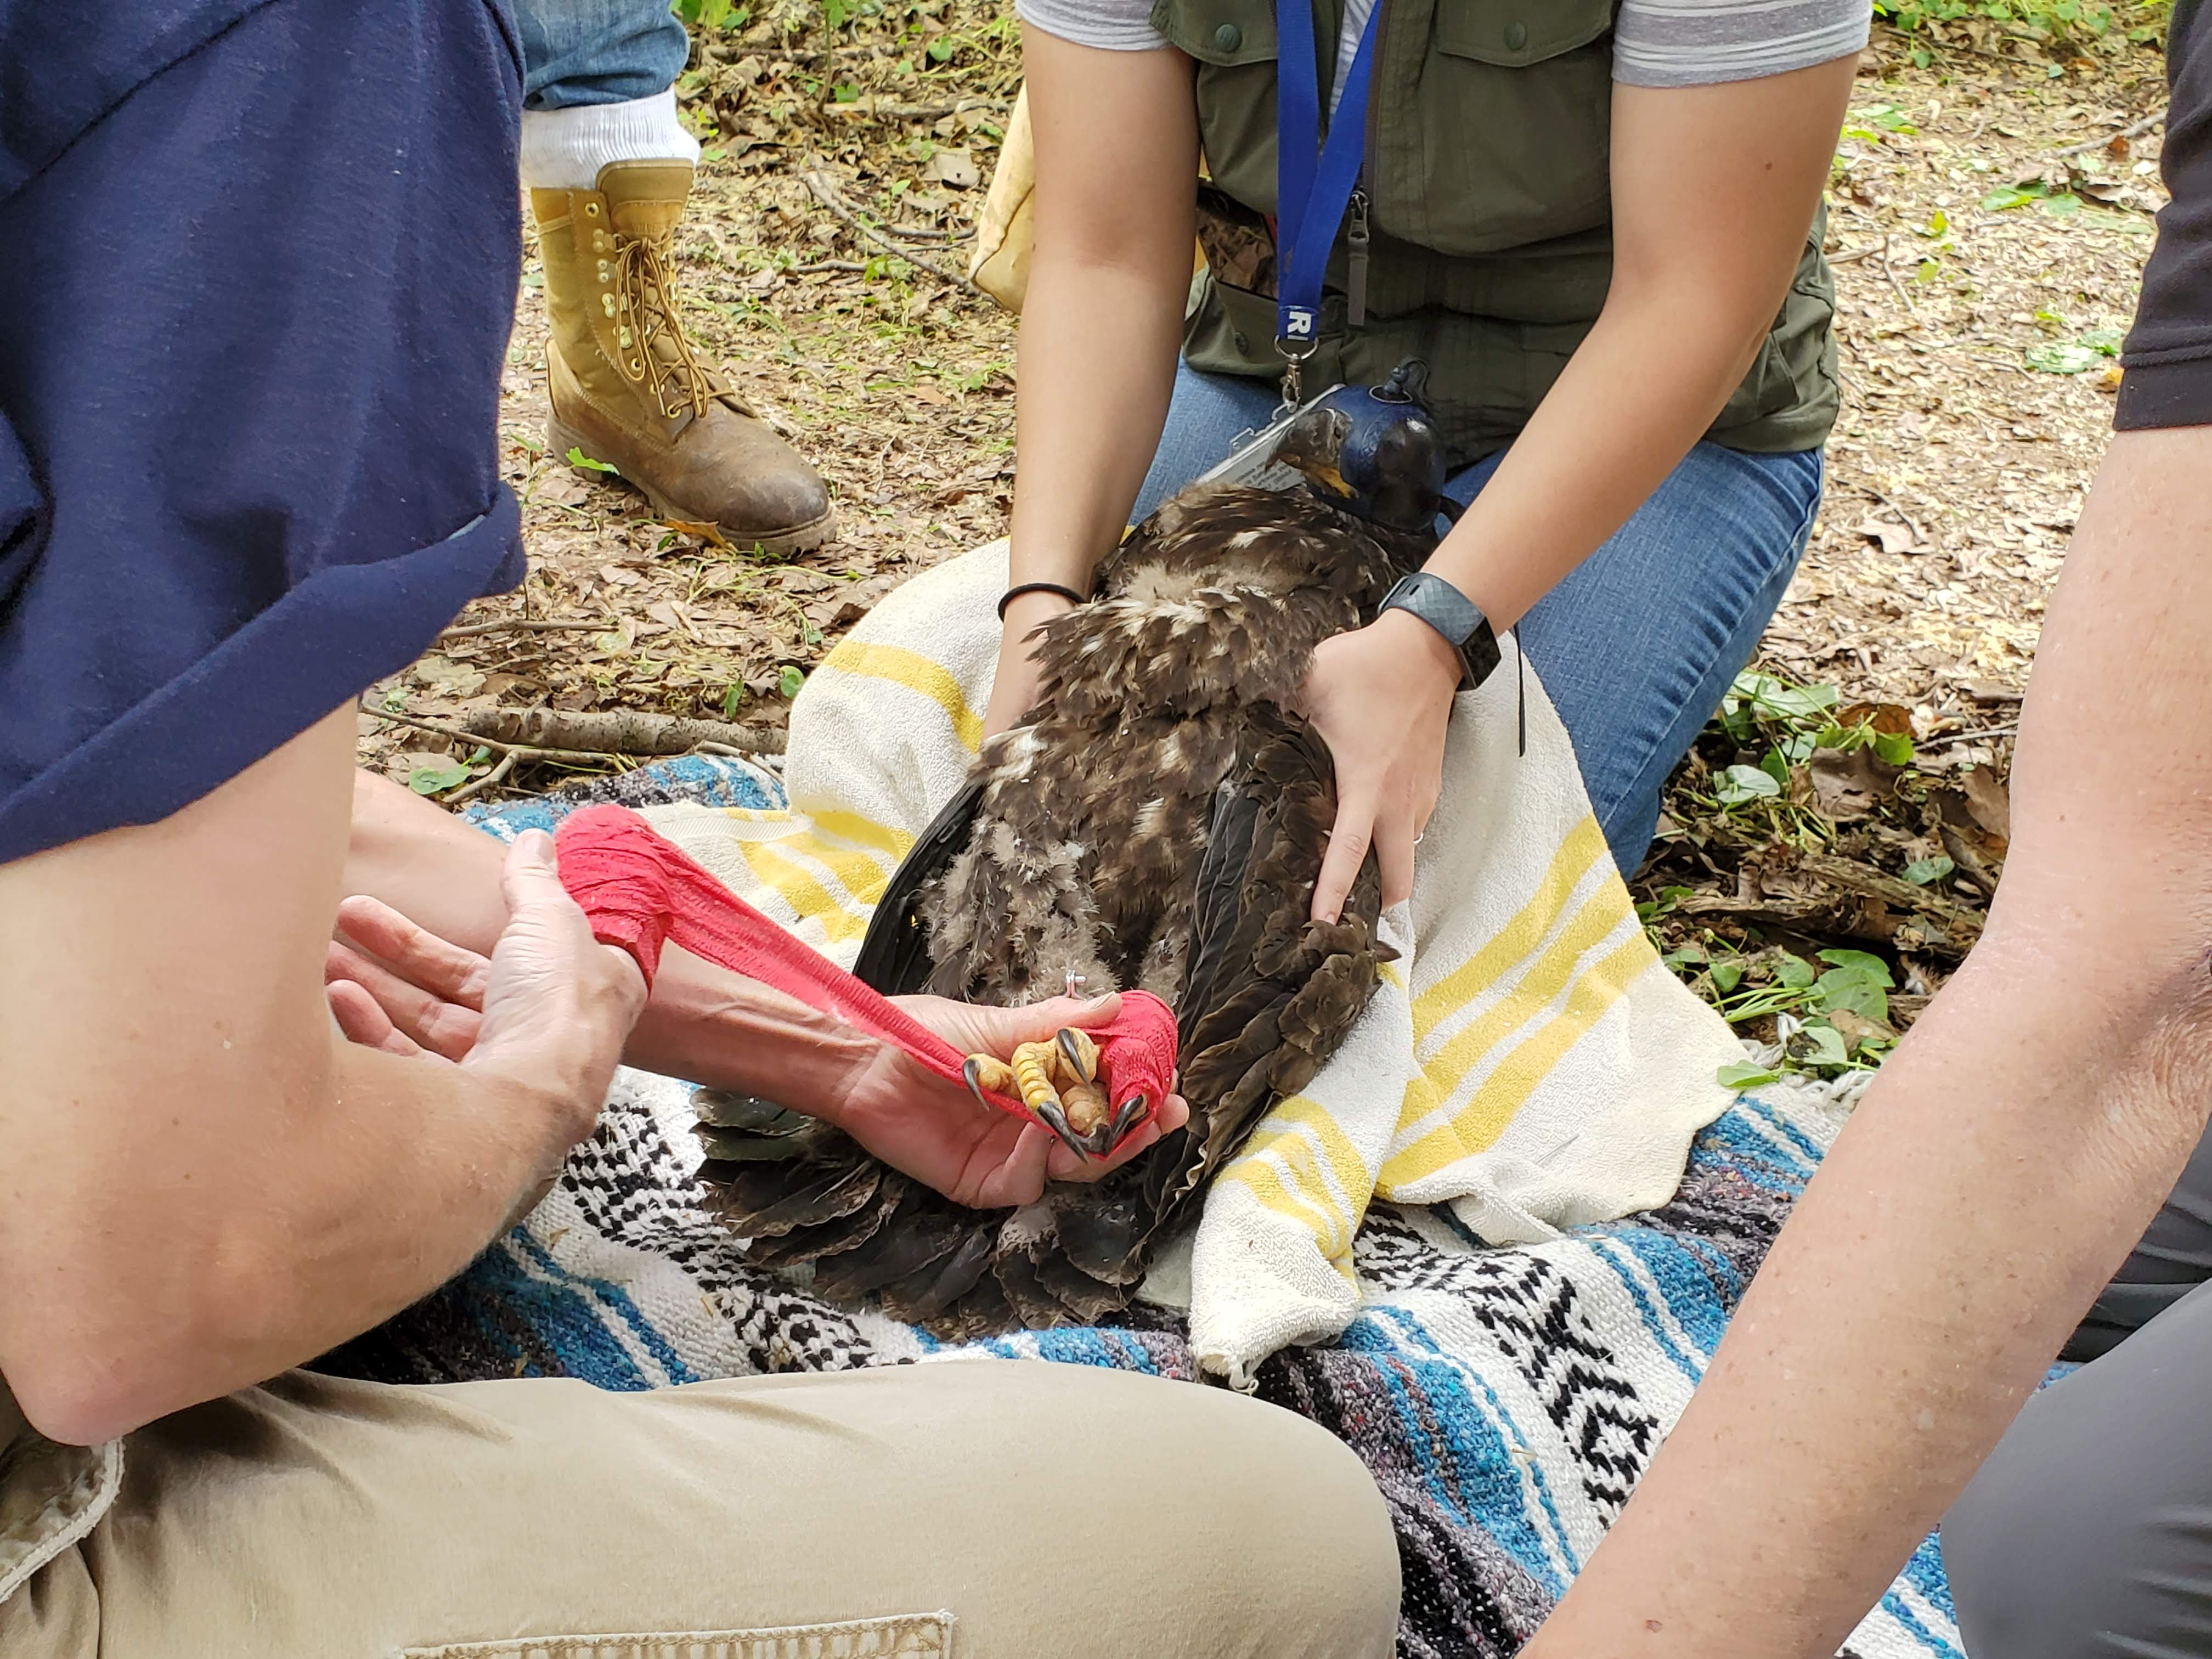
[{"x": 987, "y": 1510}]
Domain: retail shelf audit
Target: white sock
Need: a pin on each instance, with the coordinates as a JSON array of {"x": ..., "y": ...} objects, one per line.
[{"x": 565, "y": 149}]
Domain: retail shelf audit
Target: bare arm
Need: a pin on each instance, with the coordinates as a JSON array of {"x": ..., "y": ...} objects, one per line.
[
  {"x": 431, "y": 906},
  {"x": 1698, "y": 276},
  {"x": 2003, "y": 1164},
  {"x": 1117, "y": 135},
  {"x": 201, "y": 1182}
]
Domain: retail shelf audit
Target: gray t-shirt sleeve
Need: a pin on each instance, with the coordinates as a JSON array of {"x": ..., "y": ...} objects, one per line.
[
  {"x": 1696, "y": 43},
  {"x": 1114, "y": 25},
  {"x": 1656, "y": 43}
]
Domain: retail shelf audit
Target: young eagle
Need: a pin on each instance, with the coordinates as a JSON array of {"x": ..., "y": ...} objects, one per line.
[{"x": 1156, "y": 821}]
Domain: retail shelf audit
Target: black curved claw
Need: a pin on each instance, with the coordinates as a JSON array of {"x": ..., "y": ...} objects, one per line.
[
  {"x": 1124, "y": 1120},
  {"x": 1056, "y": 1120},
  {"x": 968, "y": 1075},
  {"x": 1073, "y": 1050}
]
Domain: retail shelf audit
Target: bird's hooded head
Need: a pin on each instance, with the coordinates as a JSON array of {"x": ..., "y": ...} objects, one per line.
[{"x": 1373, "y": 451}]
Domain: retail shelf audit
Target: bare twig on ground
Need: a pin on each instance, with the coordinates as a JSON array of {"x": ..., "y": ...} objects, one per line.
[
  {"x": 1919, "y": 534},
  {"x": 511, "y": 755},
  {"x": 453, "y": 733},
  {"x": 1975, "y": 736},
  {"x": 1890, "y": 271},
  {"x": 826, "y": 193},
  {"x": 620, "y": 731},
  {"x": 2130, "y": 130},
  {"x": 476, "y": 786},
  {"x": 1970, "y": 863},
  {"x": 523, "y": 625},
  {"x": 1892, "y": 890}
]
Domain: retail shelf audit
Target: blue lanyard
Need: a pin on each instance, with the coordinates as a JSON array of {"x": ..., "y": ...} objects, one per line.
[{"x": 1314, "y": 181}]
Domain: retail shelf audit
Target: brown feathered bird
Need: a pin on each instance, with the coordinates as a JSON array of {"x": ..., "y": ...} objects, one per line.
[{"x": 1157, "y": 821}]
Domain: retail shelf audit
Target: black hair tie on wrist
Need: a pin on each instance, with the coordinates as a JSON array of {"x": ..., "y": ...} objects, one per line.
[{"x": 1020, "y": 588}]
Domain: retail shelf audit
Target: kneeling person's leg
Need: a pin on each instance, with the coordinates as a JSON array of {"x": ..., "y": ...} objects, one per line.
[
  {"x": 2089, "y": 1530},
  {"x": 1637, "y": 644},
  {"x": 1044, "y": 1509}
]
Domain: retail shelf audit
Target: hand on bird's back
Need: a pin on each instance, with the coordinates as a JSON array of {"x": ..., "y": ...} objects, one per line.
[{"x": 1381, "y": 697}]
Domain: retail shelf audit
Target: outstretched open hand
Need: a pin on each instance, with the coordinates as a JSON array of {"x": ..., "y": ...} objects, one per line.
[{"x": 395, "y": 985}]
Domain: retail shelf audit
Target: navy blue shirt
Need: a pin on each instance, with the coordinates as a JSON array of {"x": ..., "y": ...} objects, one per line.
[{"x": 260, "y": 273}]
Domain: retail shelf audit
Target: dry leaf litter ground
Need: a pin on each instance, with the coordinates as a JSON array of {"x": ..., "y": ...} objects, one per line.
[{"x": 1988, "y": 220}]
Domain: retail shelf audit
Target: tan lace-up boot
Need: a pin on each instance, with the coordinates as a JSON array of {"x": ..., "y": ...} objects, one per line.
[{"x": 627, "y": 388}]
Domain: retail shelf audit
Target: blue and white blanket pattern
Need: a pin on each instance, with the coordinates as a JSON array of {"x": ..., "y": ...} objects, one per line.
[{"x": 1505, "y": 1401}]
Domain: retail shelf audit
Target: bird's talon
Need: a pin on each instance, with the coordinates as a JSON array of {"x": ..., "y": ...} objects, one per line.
[
  {"x": 986, "y": 1075},
  {"x": 1049, "y": 1113},
  {"x": 1081, "y": 1051},
  {"x": 1125, "y": 1117}
]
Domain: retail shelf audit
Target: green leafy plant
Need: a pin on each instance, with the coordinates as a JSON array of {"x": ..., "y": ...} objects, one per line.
[
  {"x": 2058, "y": 19},
  {"x": 577, "y": 458},
  {"x": 1746, "y": 1074},
  {"x": 435, "y": 780},
  {"x": 1837, "y": 1016},
  {"x": 709, "y": 13},
  {"x": 789, "y": 679},
  {"x": 2062, "y": 357}
]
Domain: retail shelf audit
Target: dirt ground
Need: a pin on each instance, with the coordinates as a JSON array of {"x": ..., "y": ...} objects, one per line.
[{"x": 1991, "y": 208}]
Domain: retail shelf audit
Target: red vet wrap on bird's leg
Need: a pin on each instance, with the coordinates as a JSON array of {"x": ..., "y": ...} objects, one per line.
[{"x": 641, "y": 891}]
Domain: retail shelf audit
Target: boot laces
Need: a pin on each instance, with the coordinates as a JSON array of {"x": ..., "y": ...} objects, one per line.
[{"x": 646, "y": 321}]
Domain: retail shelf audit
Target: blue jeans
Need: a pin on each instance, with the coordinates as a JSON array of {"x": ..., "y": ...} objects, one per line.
[
  {"x": 1637, "y": 644},
  {"x": 598, "y": 51}
]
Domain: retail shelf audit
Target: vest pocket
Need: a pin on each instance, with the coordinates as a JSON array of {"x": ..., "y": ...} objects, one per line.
[
  {"x": 1233, "y": 44},
  {"x": 1512, "y": 115}
]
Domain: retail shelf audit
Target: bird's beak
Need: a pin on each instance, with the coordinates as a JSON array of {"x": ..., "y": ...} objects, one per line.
[{"x": 1330, "y": 479}]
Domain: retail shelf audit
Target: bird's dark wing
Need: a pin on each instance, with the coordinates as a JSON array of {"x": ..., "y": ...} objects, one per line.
[
  {"x": 895, "y": 954},
  {"x": 1270, "y": 994}
]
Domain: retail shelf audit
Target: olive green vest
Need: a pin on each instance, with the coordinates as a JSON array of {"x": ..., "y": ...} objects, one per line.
[{"x": 1491, "y": 218}]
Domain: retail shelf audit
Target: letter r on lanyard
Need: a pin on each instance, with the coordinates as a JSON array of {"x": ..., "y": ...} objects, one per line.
[{"x": 1314, "y": 181}]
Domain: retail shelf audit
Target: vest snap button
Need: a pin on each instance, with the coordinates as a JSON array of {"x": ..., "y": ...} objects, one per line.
[
  {"x": 1516, "y": 36},
  {"x": 1229, "y": 37},
  {"x": 1244, "y": 343}
]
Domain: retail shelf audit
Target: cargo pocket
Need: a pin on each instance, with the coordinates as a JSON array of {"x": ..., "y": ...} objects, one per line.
[
  {"x": 1515, "y": 117},
  {"x": 1233, "y": 45},
  {"x": 921, "y": 1635}
]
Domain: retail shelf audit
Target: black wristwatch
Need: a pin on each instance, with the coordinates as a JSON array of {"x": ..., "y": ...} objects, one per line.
[{"x": 1453, "y": 615}]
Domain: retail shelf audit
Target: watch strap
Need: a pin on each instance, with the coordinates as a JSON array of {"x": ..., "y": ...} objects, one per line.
[{"x": 1453, "y": 615}]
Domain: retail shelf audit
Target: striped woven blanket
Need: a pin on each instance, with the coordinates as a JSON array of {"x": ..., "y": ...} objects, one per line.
[{"x": 1505, "y": 1399}]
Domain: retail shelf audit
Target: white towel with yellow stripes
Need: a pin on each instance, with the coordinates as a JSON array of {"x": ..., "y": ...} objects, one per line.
[{"x": 1527, "y": 1063}]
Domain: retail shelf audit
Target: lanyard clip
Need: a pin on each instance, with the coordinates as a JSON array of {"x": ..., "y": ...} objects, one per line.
[
  {"x": 1355, "y": 242},
  {"x": 1294, "y": 350}
]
